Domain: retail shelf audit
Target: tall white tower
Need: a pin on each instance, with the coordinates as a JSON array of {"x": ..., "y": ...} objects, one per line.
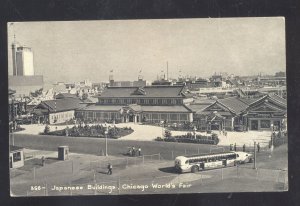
[
  {"x": 14, "y": 48},
  {"x": 24, "y": 61}
]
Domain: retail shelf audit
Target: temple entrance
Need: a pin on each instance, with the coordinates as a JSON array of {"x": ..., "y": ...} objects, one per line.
[
  {"x": 254, "y": 125},
  {"x": 131, "y": 118},
  {"x": 215, "y": 126}
]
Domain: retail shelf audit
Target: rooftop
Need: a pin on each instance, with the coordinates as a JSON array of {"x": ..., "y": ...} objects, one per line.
[
  {"x": 234, "y": 104},
  {"x": 59, "y": 105},
  {"x": 148, "y": 91}
]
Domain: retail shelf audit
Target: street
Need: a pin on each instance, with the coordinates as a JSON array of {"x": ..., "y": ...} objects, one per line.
[{"x": 150, "y": 174}]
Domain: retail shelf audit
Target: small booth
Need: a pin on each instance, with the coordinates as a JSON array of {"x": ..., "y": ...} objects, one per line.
[
  {"x": 63, "y": 152},
  {"x": 16, "y": 156}
]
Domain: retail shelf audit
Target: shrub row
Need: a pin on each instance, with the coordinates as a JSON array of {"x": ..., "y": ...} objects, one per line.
[
  {"x": 90, "y": 131},
  {"x": 189, "y": 138}
]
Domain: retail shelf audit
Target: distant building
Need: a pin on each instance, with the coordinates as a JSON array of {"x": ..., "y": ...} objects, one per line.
[
  {"x": 193, "y": 84},
  {"x": 24, "y": 79},
  {"x": 22, "y": 60},
  {"x": 218, "y": 80},
  {"x": 139, "y": 83}
]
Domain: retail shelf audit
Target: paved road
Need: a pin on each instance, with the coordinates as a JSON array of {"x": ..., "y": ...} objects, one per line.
[{"x": 115, "y": 147}]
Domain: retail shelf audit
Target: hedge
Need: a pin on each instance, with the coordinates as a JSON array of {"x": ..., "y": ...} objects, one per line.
[{"x": 189, "y": 138}]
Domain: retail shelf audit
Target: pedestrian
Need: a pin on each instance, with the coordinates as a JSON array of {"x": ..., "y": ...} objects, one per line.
[
  {"x": 109, "y": 167},
  {"x": 225, "y": 133},
  {"x": 133, "y": 151},
  {"x": 43, "y": 161},
  {"x": 244, "y": 148},
  {"x": 234, "y": 146},
  {"x": 139, "y": 150},
  {"x": 258, "y": 147},
  {"x": 130, "y": 152},
  {"x": 230, "y": 147}
]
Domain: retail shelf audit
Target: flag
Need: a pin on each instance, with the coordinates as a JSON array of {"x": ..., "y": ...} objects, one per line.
[{"x": 140, "y": 71}]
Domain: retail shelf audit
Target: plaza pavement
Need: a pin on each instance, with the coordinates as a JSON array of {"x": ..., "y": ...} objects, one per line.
[{"x": 149, "y": 133}]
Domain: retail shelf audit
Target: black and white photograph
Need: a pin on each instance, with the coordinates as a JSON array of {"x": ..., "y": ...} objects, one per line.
[{"x": 147, "y": 106}]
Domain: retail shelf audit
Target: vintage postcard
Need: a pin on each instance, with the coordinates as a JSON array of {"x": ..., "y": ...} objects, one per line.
[{"x": 162, "y": 106}]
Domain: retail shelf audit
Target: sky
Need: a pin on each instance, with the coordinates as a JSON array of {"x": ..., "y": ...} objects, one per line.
[{"x": 72, "y": 51}]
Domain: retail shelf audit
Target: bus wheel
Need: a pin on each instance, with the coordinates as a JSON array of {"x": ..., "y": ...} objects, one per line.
[{"x": 195, "y": 169}]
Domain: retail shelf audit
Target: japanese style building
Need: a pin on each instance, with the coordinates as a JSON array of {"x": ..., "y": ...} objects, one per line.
[
  {"x": 234, "y": 113},
  {"x": 151, "y": 104},
  {"x": 57, "y": 111},
  {"x": 266, "y": 113}
]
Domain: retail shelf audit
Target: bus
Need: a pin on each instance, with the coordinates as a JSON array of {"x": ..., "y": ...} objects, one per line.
[{"x": 195, "y": 163}]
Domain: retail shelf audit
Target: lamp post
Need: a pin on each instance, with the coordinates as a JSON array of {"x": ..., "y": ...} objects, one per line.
[
  {"x": 272, "y": 138},
  {"x": 254, "y": 166}
]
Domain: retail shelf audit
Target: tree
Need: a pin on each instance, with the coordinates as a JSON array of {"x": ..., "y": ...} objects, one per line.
[
  {"x": 37, "y": 93},
  {"x": 84, "y": 96},
  {"x": 168, "y": 133},
  {"x": 47, "y": 129},
  {"x": 280, "y": 74}
]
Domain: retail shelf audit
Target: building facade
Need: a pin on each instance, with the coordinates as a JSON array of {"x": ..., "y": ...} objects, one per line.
[
  {"x": 266, "y": 113},
  {"x": 57, "y": 111},
  {"x": 151, "y": 104}
]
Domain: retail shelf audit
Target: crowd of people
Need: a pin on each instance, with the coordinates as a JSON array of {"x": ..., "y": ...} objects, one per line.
[
  {"x": 234, "y": 147},
  {"x": 132, "y": 151}
]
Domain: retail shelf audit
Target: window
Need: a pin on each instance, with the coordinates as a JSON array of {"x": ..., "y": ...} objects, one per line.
[
  {"x": 113, "y": 115},
  {"x": 154, "y": 116},
  {"x": 150, "y": 101},
  {"x": 17, "y": 156},
  {"x": 265, "y": 123},
  {"x": 117, "y": 101},
  {"x": 173, "y": 117},
  {"x": 183, "y": 117},
  {"x": 164, "y": 116},
  {"x": 169, "y": 101},
  {"x": 142, "y": 101},
  {"x": 178, "y": 101},
  {"x": 159, "y": 101}
]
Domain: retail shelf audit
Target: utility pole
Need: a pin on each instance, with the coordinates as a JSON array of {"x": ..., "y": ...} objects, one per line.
[{"x": 106, "y": 133}]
